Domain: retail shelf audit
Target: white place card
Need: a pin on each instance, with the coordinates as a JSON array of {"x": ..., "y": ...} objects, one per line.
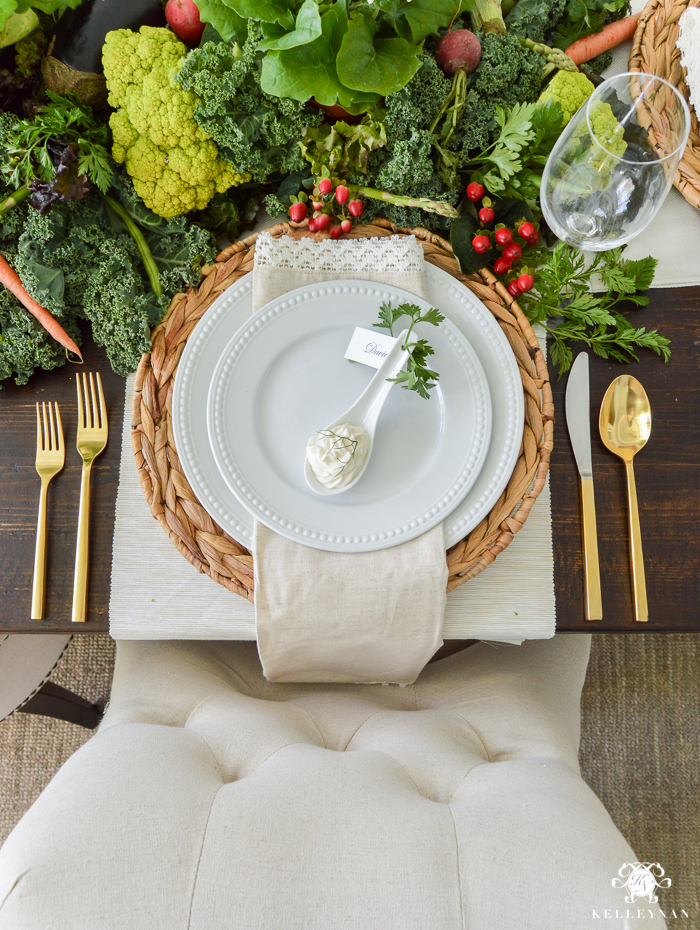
[{"x": 370, "y": 346}]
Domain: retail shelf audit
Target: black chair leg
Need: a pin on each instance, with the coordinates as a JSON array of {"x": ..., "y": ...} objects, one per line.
[{"x": 53, "y": 701}]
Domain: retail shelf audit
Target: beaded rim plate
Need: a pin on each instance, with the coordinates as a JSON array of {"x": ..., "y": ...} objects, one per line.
[
  {"x": 234, "y": 307},
  {"x": 282, "y": 377}
]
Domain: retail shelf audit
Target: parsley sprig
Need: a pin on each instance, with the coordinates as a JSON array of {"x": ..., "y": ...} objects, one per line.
[
  {"x": 563, "y": 302},
  {"x": 68, "y": 120},
  {"x": 417, "y": 376}
]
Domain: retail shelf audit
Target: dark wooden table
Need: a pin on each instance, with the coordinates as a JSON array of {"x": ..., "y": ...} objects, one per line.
[{"x": 667, "y": 471}]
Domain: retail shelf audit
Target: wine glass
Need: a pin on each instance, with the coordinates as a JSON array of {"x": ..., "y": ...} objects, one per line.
[{"x": 615, "y": 162}]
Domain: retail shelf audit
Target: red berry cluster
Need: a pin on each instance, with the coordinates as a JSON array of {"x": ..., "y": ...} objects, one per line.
[
  {"x": 323, "y": 199},
  {"x": 503, "y": 239}
]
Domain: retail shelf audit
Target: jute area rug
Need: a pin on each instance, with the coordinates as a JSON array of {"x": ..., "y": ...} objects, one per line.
[{"x": 640, "y": 745}]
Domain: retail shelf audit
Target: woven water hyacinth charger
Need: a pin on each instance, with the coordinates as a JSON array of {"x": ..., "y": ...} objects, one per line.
[
  {"x": 189, "y": 526},
  {"x": 654, "y": 51}
]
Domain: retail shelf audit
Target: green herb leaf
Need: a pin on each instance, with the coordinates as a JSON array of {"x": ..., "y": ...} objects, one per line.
[
  {"x": 562, "y": 301},
  {"x": 417, "y": 376}
]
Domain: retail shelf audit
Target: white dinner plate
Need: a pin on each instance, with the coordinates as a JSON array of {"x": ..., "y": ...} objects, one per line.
[
  {"x": 282, "y": 377},
  {"x": 229, "y": 311}
]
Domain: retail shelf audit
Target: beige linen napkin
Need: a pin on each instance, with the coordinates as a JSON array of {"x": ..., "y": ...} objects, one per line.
[{"x": 331, "y": 616}]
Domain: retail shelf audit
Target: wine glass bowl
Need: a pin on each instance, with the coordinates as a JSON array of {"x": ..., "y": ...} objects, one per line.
[{"x": 613, "y": 165}]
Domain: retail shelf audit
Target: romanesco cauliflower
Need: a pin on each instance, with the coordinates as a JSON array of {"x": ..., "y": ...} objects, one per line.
[
  {"x": 571, "y": 89},
  {"x": 175, "y": 166}
]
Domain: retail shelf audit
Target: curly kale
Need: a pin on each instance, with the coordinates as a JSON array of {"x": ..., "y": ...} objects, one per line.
[
  {"x": 536, "y": 19},
  {"x": 417, "y": 104},
  {"x": 258, "y": 134},
  {"x": 80, "y": 263}
]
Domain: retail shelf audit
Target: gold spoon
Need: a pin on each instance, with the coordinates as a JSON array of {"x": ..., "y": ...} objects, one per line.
[{"x": 625, "y": 426}]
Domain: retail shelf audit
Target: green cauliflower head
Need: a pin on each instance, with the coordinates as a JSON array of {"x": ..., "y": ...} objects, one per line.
[
  {"x": 175, "y": 166},
  {"x": 571, "y": 89}
]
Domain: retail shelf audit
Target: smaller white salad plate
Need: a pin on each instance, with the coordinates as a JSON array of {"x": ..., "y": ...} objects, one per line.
[
  {"x": 232, "y": 308},
  {"x": 283, "y": 377}
]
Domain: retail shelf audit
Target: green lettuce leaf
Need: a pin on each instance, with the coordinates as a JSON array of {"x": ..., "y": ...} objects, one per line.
[
  {"x": 366, "y": 63},
  {"x": 223, "y": 19},
  {"x": 306, "y": 29}
]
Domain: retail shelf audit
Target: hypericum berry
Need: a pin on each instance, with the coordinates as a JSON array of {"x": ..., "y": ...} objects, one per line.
[
  {"x": 526, "y": 282},
  {"x": 501, "y": 265},
  {"x": 486, "y": 215},
  {"x": 297, "y": 212},
  {"x": 322, "y": 221},
  {"x": 481, "y": 243},
  {"x": 534, "y": 238},
  {"x": 512, "y": 252},
  {"x": 504, "y": 236},
  {"x": 342, "y": 193},
  {"x": 526, "y": 230},
  {"x": 317, "y": 205},
  {"x": 336, "y": 232},
  {"x": 346, "y": 225},
  {"x": 312, "y": 224},
  {"x": 514, "y": 289},
  {"x": 356, "y": 207},
  {"x": 325, "y": 185},
  {"x": 475, "y": 191}
]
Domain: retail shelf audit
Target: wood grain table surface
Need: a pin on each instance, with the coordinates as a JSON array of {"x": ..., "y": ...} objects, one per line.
[{"x": 667, "y": 472}]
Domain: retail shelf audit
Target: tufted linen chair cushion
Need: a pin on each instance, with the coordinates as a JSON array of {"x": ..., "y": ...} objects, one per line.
[{"x": 212, "y": 800}]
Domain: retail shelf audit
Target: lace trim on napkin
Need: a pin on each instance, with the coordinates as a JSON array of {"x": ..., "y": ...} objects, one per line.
[{"x": 402, "y": 255}]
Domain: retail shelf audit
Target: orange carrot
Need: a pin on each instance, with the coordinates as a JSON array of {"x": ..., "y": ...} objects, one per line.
[
  {"x": 10, "y": 278},
  {"x": 611, "y": 35}
]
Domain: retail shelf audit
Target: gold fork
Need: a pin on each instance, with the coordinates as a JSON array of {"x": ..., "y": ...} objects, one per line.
[
  {"x": 91, "y": 440},
  {"x": 50, "y": 458}
]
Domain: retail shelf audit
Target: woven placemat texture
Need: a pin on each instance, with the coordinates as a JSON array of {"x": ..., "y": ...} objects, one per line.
[
  {"x": 639, "y": 745},
  {"x": 189, "y": 526},
  {"x": 654, "y": 51}
]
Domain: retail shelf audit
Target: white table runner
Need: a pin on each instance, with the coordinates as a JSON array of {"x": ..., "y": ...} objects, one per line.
[{"x": 157, "y": 594}]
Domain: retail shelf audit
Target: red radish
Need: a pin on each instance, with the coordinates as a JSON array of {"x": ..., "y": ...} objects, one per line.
[
  {"x": 475, "y": 191},
  {"x": 501, "y": 265},
  {"x": 325, "y": 185},
  {"x": 504, "y": 236},
  {"x": 322, "y": 221},
  {"x": 356, "y": 207},
  {"x": 458, "y": 50},
  {"x": 312, "y": 224},
  {"x": 514, "y": 289},
  {"x": 183, "y": 18},
  {"x": 526, "y": 282},
  {"x": 526, "y": 230},
  {"x": 481, "y": 243},
  {"x": 335, "y": 232},
  {"x": 342, "y": 193},
  {"x": 297, "y": 212},
  {"x": 346, "y": 225},
  {"x": 512, "y": 252}
]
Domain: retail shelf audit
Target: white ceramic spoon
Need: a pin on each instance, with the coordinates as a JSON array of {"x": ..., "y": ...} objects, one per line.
[{"x": 365, "y": 411}]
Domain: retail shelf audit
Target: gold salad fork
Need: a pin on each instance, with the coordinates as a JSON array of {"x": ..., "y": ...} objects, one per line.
[
  {"x": 50, "y": 457},
  {"x": 91, "y": 440}
]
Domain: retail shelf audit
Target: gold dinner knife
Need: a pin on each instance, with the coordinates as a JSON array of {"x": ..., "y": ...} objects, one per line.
[{"x": 578, "y": 420}]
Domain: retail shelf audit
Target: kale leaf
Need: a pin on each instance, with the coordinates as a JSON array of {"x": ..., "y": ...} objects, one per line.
[{"x": 255, "y": 132}]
